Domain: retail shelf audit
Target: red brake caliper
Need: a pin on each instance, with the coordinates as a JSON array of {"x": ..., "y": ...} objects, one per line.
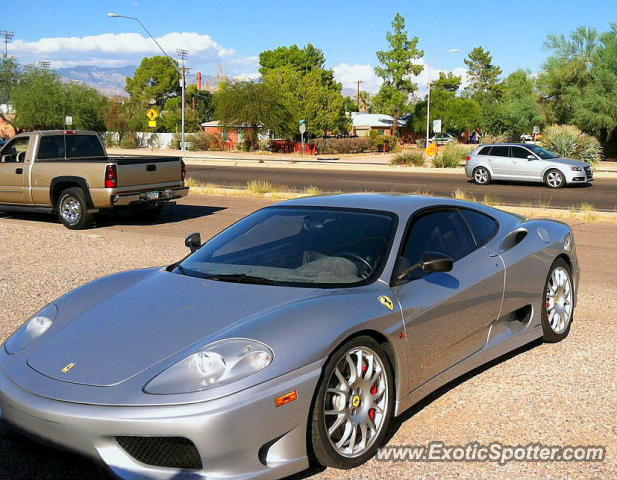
[{"x": 372, "y": 411}]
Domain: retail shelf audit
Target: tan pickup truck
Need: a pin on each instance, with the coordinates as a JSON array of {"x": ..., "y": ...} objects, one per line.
[{"x": 69, "y": 173}]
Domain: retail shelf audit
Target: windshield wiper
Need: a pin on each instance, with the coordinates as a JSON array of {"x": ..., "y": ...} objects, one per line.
[{"x": 240, "y": 278}]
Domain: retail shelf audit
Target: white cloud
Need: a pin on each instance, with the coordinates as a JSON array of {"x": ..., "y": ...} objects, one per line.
[
  {"x": 248, "y": 76},
  {"x": 348, "y": 75},
  {"x": 113, "y": 49}
]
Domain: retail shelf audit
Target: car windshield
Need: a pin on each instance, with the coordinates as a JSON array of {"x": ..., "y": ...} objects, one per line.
[
  {"x": 297, "y": 246},
  {"x": 541, "y": 152}
]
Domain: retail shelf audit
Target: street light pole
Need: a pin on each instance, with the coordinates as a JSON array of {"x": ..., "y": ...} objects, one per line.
[
  {"x": 428, "y": 97},
  {"x": 183, "y": 53},
  {"x": 171, "y": 60}
]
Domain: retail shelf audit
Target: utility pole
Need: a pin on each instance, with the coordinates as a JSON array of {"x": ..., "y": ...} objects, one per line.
[
  {"x": 7, "y": 37},
  {"x": 358, "y": 94},
  {"x": 183, "y": 54}
]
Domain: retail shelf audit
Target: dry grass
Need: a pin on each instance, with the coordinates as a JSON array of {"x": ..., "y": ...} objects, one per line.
[{"x": 585, "y": 212}]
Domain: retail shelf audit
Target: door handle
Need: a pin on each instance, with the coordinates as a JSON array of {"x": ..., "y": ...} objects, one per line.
[{"x": 19, "y": 171}]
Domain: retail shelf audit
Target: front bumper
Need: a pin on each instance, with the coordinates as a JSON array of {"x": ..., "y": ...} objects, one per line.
[
  {"x": 242, "y": 436},
  {"x": 148, "y": 198}
]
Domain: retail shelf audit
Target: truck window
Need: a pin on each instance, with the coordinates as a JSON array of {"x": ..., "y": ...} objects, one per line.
[
  {"x": 15, "y": 150},
  {"x": 51, "y": 147},
  {"x": 79, "y": 146}
]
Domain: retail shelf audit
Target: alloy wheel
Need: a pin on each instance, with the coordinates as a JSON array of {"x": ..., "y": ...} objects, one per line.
[
  {"x": 559, "y": 300},
  {"x": 481, "y": 176},
  {"x": 356, "y": 402},
  {"x": 554, "y": 179},
  {"x": 70, "y": 209}
]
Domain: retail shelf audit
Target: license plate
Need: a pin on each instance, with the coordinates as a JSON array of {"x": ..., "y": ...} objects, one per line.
[{"x": 152, "y": 195}]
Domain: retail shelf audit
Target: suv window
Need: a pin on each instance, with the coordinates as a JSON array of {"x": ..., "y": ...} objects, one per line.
[
  {"x": 484, "y": 151},
  {"x": 51, "y": 147},
  {"x": 78, "y": 146},
  {"x": 482, "y": 226},
  {"x": 500, "y": 151},
  {"x": 15, "y": 150},
  {"x": 443, "y": 231},
  {"x": 519, "y": 152}
]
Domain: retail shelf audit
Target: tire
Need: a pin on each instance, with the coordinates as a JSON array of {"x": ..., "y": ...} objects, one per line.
[
  {"x": 557, "y": 302},
  {"x": 481, "y": 176},
  {"x": 554, "y": 179},
  {"x": 352, "y": 409},
  {"x": 72, "y": 209}
]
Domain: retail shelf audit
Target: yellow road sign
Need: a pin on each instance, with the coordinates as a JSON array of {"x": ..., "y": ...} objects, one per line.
[
  {"x": 152, "y": 114},
  {"x": 152, "y": 123},
  {"x": 432, "y": 149}
]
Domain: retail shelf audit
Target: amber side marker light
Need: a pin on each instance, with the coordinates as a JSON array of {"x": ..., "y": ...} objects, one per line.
[{"x": 287, "y": 398}]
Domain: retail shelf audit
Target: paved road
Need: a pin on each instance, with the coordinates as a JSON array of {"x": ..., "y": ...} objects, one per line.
[{"x": 603, "y": 194}]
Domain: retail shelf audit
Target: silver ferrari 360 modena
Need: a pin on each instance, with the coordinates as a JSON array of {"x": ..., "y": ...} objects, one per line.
[{"x": 294, "y": 336}]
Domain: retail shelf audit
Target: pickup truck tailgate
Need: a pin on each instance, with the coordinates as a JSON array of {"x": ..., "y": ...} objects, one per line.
[{"x": 148, "y": 171}]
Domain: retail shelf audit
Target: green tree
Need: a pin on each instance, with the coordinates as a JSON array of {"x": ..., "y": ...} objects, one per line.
[
  {"x": 308, "y": 90},
  {"x": 9, "y": 77},
  {"x": 86, "y": 105},
  {"x": 171, "y": 117},
  {"x": 483, "y": 76},
  {"x": 257, "y": 105},
  {"x": 397, "y": 69},
  {"x": 448, "y": 82},
  {"x": 156, "y": 78},
  {"x": 202, "y": 101}
]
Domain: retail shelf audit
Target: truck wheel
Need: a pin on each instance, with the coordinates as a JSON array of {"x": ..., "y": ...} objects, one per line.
[{"x": 72, "y": 209}]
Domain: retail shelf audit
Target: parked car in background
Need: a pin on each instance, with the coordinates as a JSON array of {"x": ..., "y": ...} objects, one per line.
[
  {"x": 527, "y": 137},
  {"x": 68, "y": 172},
  {"x": 525, "y": 162},
  {"x": 296, "y": 335},
  {"x": 442, "y": 138}
]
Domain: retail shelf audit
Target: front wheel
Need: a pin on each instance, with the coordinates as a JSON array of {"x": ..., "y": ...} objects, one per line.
[
  {"x": 481, "y": 176},
  {"x": 72, "y": 209},
  {"x": 554, "y": 179},
  {"x": 557, "y": 302},
  {"x": 353, "y": 406}
]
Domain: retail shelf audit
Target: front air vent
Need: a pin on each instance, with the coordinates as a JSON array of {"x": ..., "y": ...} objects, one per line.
[{"x": 167, "y": 452}]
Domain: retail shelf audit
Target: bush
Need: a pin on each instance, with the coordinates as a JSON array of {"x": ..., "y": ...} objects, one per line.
[
  {"x": 383, "y": 143},
  {"x": 489, "y": 138},
  {"x": 342, "y": 145},
  {"x": 264, "y": 144},
  {"x": 451, "y": 156},
  {"x": 175, "y": 141},
  {"x": 199, "y": 141},
  {"x": 111, "y": 139},
  {"x": 129, "y": 141},
  {"x": 569, "y": 142},
  {"x": 216, "y": 141},
  {"x": 409, "y": 157}
]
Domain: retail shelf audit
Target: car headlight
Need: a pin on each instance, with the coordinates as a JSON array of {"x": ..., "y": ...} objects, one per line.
[
  {"x": 33, "y": 328},
  {"x": 576, "y": 169},
  {"x": 217, "y": 364}
]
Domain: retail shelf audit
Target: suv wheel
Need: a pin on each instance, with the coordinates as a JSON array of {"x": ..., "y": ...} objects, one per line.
[
  {"x": 554, "y": 179},
  {"x": 72, "y": 209},
  {"x": 481, "y": 176}
]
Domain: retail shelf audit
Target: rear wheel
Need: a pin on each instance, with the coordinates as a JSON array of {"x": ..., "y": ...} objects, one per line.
[
  {"x": 353, "y": 405},
  {"x": 481, "y": 176},
  {"x": 554, "y": 179},
  {"x": 72, "y": 209},
  {"x": 558, "y": 302}
]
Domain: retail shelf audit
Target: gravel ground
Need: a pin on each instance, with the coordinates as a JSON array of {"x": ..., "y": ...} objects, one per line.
[{"x": 561, "y": 394}]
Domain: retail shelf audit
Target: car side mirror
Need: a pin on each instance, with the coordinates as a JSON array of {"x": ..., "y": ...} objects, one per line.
[
  {"x": 193, "y": 241},
  {"x": 531, "y": 157},
  {"x": 430, "y": 262}
]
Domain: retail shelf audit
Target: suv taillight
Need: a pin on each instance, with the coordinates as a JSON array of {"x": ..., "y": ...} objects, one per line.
[
  {"x": 111, "y": 176},
  {"x": 183, "y": 167},
  {"x": 468, "y": 158}
]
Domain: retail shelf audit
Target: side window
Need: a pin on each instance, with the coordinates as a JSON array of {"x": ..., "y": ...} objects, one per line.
[
  {"x": 500, "y": 151},
  {"x": 15, "y": 150},
  {"x": 51, "y": 147},
  {"x": 484, "y": 151},
  {"x": 519, "y": 152},
  {"x": 482, "y": 226},
  {"x": 443, "y": 231}
]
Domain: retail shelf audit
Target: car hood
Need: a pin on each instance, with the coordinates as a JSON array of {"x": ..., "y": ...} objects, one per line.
[
  {"x": 136, "y": 327},
  {"x": 569, "y": 162}
]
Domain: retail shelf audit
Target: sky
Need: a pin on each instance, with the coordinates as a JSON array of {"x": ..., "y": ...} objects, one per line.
[{"x": 228, "y": 35}]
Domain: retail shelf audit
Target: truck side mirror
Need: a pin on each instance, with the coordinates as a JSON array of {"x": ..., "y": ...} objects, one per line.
[{"x": 193, "y": 241}]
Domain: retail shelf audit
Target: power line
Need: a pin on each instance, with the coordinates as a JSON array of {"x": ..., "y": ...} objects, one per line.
[{"x": 7, "y": 37}]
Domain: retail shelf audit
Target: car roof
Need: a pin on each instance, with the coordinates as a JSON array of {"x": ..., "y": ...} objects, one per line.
[{"x": 400, "y": 204}]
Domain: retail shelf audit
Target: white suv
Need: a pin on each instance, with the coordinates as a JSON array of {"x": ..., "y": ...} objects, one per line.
[{"x": 524, "y": 162}]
